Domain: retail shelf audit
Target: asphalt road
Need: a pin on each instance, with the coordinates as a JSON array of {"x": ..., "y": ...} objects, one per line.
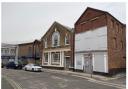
[
  {"x": 5, "y": 84},
  {"x": 47, "y": 80}
]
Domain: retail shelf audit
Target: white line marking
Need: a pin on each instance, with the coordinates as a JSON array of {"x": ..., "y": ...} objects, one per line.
[{"x": 13, "y": 83}]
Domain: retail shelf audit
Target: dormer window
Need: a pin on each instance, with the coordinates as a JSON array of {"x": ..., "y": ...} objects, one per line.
[
  {"x": 55, "y": 39},
  {"x": 66, "y": 40}
]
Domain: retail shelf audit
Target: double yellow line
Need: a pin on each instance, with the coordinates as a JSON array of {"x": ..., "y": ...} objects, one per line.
[{"x": 13, "y": 83}]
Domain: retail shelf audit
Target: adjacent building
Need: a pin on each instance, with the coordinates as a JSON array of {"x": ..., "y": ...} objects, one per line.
[
  {"x": 100, "y": 42},
  {"x": 9, "y": 52},
  {"x": 30, "y": 52},
  {"x": 57, "y": 47}
]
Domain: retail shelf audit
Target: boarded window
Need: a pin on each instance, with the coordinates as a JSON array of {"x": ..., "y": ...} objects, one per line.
[{"x": 79, "y": 62}]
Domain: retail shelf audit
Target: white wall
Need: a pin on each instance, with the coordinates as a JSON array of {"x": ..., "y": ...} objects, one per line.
[
  {"x": 8, "y": 49},
  {"x": 91, "y": 40},
  {"x": 100, "y": 62},
  {"x": 79, "y": 60}
]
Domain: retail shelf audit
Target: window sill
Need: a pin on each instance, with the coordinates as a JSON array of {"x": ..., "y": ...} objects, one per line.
[
  {"x": 56, "y": 46},
  {"x": 55, "y": 62},
  {"x": 67, "y": 44},
  {"x": 45, "y": 62}
]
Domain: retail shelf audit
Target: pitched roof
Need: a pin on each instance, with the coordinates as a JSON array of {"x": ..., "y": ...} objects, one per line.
[
  {"x": 26, "y": 43},
  {"x": 97, "y": 10},
  {"x": 7, "y": 45},
  {"x": 57, "y": 23},
  {"x": 30, "y": 42},
  {"x": 68, "y": 28}
]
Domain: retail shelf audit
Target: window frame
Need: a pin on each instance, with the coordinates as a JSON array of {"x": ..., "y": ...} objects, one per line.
[
  {"x": 56, "y": 35},
  {"x": 45, "y": 43},
  {"x": 67, "y": 39},
  {"x": 53, "y": 59},
  {"x": 45, "y": 54}
]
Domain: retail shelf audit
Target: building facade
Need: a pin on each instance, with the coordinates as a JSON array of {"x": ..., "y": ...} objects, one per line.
[
  {"x": 56, "y": 47},
  {"x": 9, "y": 52},
  {"x": 100, "y": 42},
  {"x": 30, "y": 52}
]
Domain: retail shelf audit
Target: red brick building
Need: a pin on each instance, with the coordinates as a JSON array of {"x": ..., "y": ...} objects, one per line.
[
  {"x": 100, "y": 42},
  {"x": 56, "y": 47},
  {"x": 30, "y": 52}
]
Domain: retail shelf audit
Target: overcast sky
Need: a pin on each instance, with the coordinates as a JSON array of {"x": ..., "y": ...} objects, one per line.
[{"x": 23, "y": 22}]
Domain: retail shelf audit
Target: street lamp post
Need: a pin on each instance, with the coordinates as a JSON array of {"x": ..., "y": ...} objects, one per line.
[{"x": 91, "y": 67}]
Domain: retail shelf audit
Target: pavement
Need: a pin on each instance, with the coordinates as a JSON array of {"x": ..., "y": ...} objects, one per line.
[
  {"x": 119, "y": 79},
  {"x": 54, "y": 79}
]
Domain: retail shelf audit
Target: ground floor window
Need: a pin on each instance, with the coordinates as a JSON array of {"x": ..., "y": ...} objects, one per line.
[
  {"x": 46, "y": 57},
  {"x": 55, "y": 57}
]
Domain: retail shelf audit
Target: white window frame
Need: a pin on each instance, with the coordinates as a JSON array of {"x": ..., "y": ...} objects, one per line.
[
  {"x": 67, "y": 38},
  {"x": 56, "y": 33},
  {"x": 45, "y": 58},
  {"x": 12, "y": 51},
  {"x": 53, "y": 62},
  {"x": 45, "y": 43}
]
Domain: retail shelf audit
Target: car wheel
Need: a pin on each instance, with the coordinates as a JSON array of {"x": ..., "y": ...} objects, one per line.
[
  {"x": 21, "y": 67},
  {"x": 32, "y": 69},
  {"x": 25, "y": 69}
]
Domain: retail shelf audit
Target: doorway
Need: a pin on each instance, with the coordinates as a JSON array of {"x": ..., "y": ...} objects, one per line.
[
  {"x": 87, "y": 63},
  {"x": 67, "y": 63}
]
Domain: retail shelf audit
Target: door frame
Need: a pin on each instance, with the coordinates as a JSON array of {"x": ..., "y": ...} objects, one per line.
[
  {"x": 65, "y": 60},
  {"x": 90, "y": 66}
]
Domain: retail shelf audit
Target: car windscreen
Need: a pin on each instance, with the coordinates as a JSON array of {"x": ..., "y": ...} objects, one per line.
[
  {"x": 35, "y": 65},
  {"x": 11, "y": 63}
]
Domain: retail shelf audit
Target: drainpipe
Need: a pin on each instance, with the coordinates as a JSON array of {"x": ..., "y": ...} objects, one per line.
[
  {"x": 35, "y": 54},
  {"x": 33, "y": 51}
]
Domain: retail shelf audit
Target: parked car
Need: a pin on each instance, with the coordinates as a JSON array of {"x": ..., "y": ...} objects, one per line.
[
  {"x": 2, "y": 65},
  {"x": 13, "y": 65},
  {"x": 19, "y": 66},
  {"x": 32, "y": 67}
]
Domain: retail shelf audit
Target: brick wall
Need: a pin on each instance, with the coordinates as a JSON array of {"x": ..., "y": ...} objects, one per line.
[
  {"x": 62, "y": 31},
  {"x": 116, "y": 35},
  {"x": 116, "y": 44},
  {"x": 90, "y": 25},
  {"x": 23, "y": 49}
]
